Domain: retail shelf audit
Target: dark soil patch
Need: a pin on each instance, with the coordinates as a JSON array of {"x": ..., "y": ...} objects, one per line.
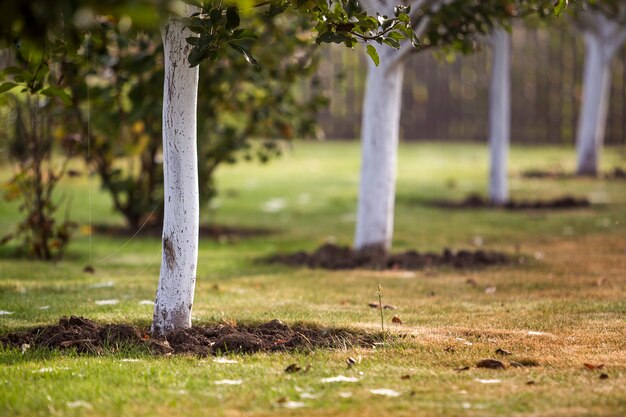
[
  {"x": 616, "y": 173},
  {"x": 335, "y": 257},
  {"x": 476, "y": 201},
  {"x": 88, "y": 337},
  {"x": 210, "y": 231}
]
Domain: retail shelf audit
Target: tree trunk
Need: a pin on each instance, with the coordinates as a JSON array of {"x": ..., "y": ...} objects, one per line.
[
  {"x": 174, "y": 298},
  {"x": 499, "y": 117},
  {"x": 379, "y": 142},
  {"x": 594, "y": 110}
]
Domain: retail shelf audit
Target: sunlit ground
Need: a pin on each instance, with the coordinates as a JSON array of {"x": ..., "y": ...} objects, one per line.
[{"x": 564, "y": 307}]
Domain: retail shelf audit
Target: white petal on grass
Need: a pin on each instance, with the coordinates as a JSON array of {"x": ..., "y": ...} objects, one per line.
[
  {"x": 43, "y": 307},
  {"x": 345, "y": 394},
  {"x": 385, "y": 392},
  {"x": 228, "y": 382},
  {"x": 535, "y": 333},
  {"x": 310, "y": 396},
  {"x": 339, "y": 378},
  {"x": 488, "y": 381},
  {"x": 5, "y": 313},
  {"x": 79, "y": 404},
  {"x": 274, "y": 205},
  {"x": 110, "y": 302},
  {"x": 47, "y": 370},
  {"x": 465, "y": 341},
  {"x": 105, "y": 284},
  {"x": 224, "y": 360},
  {"x": 292, "y": 404},
  {"x": 130, "y": 360},
  {"x": 146, "y": 303}
]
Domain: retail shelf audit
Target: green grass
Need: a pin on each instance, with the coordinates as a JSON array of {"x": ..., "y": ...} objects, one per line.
[{"x": 574, "y": 293}]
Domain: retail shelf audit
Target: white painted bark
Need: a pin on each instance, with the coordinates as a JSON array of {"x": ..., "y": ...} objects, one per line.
[
  {"x": 594, "y": 110},
  {"x": 174, "y": 298},
  {"x": 499, "y": 116},
  {"x": 379, "y": 142},
  {"x": 379, "y": 135},
  {"x": 603, "y": 37}
]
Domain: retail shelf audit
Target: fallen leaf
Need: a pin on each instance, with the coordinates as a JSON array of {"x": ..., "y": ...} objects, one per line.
[
  {"x": 353, "y": 361},
  {"x": 530, "y": 383},
  {"x": 405, "y": 377},
  {"x": 339, "y": 378},
  {"x": 593, "y": 367},
  {"x": 105, "y": 284},
  {"x": 490, "y": 364},
  {"x": 293, "y": 368},
  {"x": 89, "y": 269},
  {"x": 472, "y": 282},
  {"x": 389, "y": 307},
  {"x": 292, "y": 404},
  {"x": 228, "y": 382},
  {"x": 463, "y": 368},
  {"x": 395, "y": 319},
  {"x": 107, "y": 302},
  {"x": 385, "y": 392},
  {"x": 503, "y": 352},
  {"x": 604, "y": 376},
  {"x": 222, "y": 359},
  {"x": 79, "y": 404},
  {"x": 373, "y": 305},
  {"x": 448, "y": 349},
  {"x": 490, "y": 289},
  {"x": 488, "y": 381}
]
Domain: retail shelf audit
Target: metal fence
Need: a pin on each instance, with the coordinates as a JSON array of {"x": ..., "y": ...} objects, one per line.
[{"x": 448, "y": 100}]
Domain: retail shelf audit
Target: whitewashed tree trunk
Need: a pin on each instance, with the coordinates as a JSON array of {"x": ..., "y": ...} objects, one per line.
[
  {"x": 595, "y": 104},
  {"x": 604, "y": 35},
  {"x": 499, "y": 117},
  {"x": 379, "y": 141},
  {"x": 379, "y": 134},
  {"x": 174, "y": 298}
]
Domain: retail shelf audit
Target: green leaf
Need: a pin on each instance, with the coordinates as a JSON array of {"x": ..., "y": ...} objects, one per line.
[
  {"x": 371, "y": 51},
  {"x": 246, "y": 54},
  {"x": 59, "y": 92},
  {"x": 242, "y": 34},
  {"x": 559, "y": 7},
  {"x": 4, "y": 87},
  {"x": 232, "y": 17},
  {"x": 332, "y": 37}
]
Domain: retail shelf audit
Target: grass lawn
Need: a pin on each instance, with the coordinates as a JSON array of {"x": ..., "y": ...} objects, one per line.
[{"x": 562, "y": 308}]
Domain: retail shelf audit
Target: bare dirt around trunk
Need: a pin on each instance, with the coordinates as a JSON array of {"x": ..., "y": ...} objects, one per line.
[
  {"x": 476, "y": 201},
  {"x": 330, "y": 256},
  {"x": 209, "y": 231},
  {"x": 89, "y": 337}
]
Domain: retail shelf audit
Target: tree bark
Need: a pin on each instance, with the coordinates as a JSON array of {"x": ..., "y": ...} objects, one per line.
[
  {"x": 174, "y": 298},
  {"x": 379, "y": 142},
  {"x": 595, "y": 104},
  {"x": 499, "y": 117},
  {"x": 604, "y": 35}
]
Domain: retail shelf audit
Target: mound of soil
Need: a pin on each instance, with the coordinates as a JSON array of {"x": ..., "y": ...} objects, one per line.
[
  {"x": 475, "y": 201},
  {"x": 330, "y": 256},
  {"x": 616, "y": 173},
  {"x": 210, "y": 231},
  {"x": 89, "y": 337}
]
